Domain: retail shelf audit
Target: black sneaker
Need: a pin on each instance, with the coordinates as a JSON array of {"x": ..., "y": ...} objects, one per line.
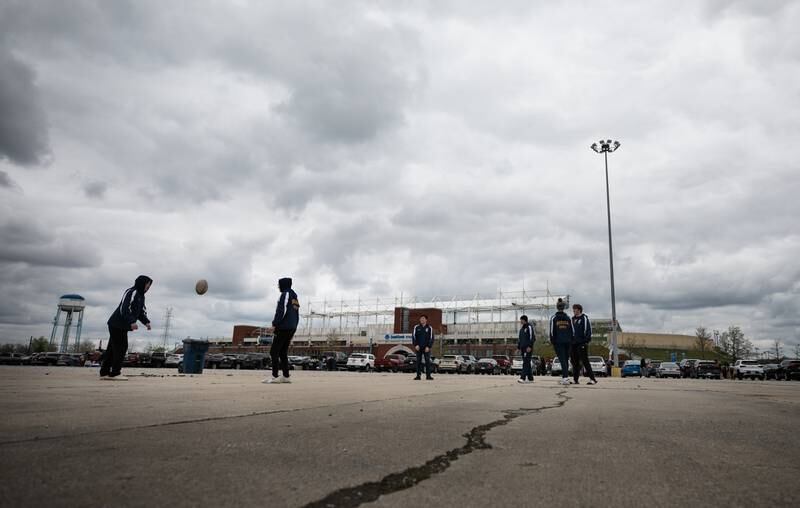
[
  {"x": 417, "y": 378},
  {"x": 429, "y": 378},
  {"x": 576, "y": 382}
]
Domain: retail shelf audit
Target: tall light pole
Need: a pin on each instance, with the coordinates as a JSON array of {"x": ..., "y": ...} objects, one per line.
[{"x": 606, "y": 147}]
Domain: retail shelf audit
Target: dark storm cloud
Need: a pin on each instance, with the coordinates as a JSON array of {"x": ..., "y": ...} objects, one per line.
[
  {"x": 95, "y": 189},
  {"x": 5, "y": 180},
  {"x": 23, "y": 124},
  {"x": 25, "y": 241}
]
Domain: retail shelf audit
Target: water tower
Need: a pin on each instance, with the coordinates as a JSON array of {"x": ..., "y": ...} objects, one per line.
[{"x": 69, "y": 305}]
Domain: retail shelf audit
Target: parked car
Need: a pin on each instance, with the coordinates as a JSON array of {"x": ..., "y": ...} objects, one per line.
[
  {"x": 632, "y": 368},
  {"x": 686, "y": 366},
  {"x": 469, "y": 363},
  {"x": 49, "y": 359},
  {"x": 143, "y": 360},
  {"x": 70, "y": 360},
  {"x": 435, "y": 362},
  {"x": 771, "y": 370},
  {"x": 173, "y": 361},
  {"x": 158, "y": 359},
  {"x": 748, "y": 368},
  {"x": 410, "y": 364},
  {"x": 339, "y": 360},
  {"x": 14, "y": 359},
  {"x": 258, "y": 361},
  {"x": 452, "y": 364},
  {"x": 504, "y": 362},
  {"x": 668, "y": 369},
  {"x": 131, "y": 360},
  {"x": 487, "y": 366},
  {"x": 516, "y": 365},
  {"x": 214, "y": 360},
  {"x": 706, "y": 369},
  {"x": 790, "y": 369},
  {"x": 361, "y": 361},
  {"x": 598, "y": 365},
  {"x": 555, "y": 368},
  {"x": 651, "y": 369},
  {"x": 304, "y": 362},
  {"x": 393, "y": 363}
]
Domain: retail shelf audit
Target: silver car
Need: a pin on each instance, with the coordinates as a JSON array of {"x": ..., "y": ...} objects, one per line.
[{"x": 668, "y": 369}]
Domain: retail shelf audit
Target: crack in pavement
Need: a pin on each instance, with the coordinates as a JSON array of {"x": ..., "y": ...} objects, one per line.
[
  {"x": 351, "y": 497},
  {"x": 37, "y": 439}
]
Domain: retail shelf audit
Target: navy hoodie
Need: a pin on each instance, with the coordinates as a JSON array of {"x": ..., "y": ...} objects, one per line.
[
  {"x": 527, "y": 337},
  {"x": 422, "y": 336},
  {"x": 561, "y": 329},
  {"x": 583, "y": 329},
  {"x": 287, "y": 314},
  {"x": 131, "y": 308}
]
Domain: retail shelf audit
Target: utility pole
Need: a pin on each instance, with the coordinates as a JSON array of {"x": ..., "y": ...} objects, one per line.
[
  {"x": 167, "y": 325},
  {"x": 606, "y": 147}
]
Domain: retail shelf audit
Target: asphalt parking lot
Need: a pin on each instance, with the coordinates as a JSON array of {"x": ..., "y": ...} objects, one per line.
[{"x": 351, "y": 439}]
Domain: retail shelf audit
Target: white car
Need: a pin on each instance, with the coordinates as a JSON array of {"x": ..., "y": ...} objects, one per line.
[
  {"x": 173, "y": 360},
  {"x": 452, "y": 363},
  {"x": 598, "y": 365},
  {"x": 555, "y": 369},
  {"x": 361, "y": 361},
  {"x": 668, "y": 369},
  {"x": 748, "y": 368}
]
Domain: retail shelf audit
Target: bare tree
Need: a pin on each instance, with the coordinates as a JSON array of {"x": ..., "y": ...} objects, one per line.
[
  {"x": 630, "y": 344},
  {"x": 703, "y": 340},
  {"x": 734, "y": 344}
]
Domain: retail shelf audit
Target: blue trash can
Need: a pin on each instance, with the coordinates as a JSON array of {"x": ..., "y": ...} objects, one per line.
[{"x": 194, "y": 356}]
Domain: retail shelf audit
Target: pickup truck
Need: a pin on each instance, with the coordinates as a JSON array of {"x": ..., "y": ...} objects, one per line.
[
  {"x": 705, "y": 369},
  {"x": 392, "y": 363},
  {"x": 748, "y": 368}
]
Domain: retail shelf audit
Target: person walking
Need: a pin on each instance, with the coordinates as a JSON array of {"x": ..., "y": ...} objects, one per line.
[
  {"x": 527, "y": 337},
  {"x": 287, "y": 315},
  {"x": 422, "y": 339},
  {"x": 580, "y": 345},
  {"x": 642, "y": 367},
  {"x": 123, "y": 320},
  {"x": 561, "y": 334}
]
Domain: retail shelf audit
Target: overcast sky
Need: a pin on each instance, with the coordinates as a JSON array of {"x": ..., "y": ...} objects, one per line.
[{"x": 369, "y": 148}]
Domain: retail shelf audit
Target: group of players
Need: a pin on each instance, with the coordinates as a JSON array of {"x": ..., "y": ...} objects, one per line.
[{"x": 570, "y": 336}]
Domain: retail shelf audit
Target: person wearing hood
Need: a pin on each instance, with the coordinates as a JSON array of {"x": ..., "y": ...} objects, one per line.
[
  {"x": 123, "y": 320},
  {"x": 562, "y": 334},
  {"x": 287, "y": 316},
  {"x": 580, "y": 345},
  {"x": 527, "y": 337}
]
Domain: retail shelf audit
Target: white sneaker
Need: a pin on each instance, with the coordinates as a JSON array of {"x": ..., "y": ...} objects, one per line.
[
  {"x": 284, "y": 380},
  {"x": 521, "y": 381},
  {"x": 591, "y": 382},
  {"x": 271, "y": 380},
  {"x": 565, "y": 381}
]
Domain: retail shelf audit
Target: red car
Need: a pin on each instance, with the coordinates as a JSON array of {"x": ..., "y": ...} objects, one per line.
[
  {"x": 393, "y": 363},
  {"x": 504, "y": 362}
]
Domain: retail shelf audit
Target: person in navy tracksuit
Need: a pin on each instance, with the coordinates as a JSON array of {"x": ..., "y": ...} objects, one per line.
[
  {"x": 580, "y": 344},
  {"x": 123, "y": 320},
  {"x": 561, "y": 334},
  {"x": 287, "y": 316},
  {"x": 527, "y": 337},
  {"x": 422, "y": 339}
]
